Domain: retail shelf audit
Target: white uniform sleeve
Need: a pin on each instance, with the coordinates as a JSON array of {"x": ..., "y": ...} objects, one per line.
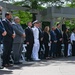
[{"x": 72, "y": 38}]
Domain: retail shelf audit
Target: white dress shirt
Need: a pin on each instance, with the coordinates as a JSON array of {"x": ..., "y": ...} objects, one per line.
[{"x": 72, "y": 38}]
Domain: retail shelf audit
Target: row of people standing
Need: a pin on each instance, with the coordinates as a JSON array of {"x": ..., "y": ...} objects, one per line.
[
  {"x": 35, "y": 38},
  {"x": 58, "y": 38},
  {"x": 13, "y": 39},
  {"x": 32, "y": 41},
  {"x": 52, "y": 41},
  {"x": 14, "y": 36}
]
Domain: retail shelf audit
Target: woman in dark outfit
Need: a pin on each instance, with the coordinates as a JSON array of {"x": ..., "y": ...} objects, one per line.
[
  {"x": 46, "y": 41},
  {"x": 65, "y": 41}
]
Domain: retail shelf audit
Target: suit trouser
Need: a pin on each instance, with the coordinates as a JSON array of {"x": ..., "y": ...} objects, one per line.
[
  {"x": 35, "y": 50},
  {"x": 29, "y": 50},
  {"x": 58, "y": 51},
  {"x": 41, "y": 47},
  {"x": 65, "y": 49},
  {"x": 17, "y": 50},
  {"x": 7, "y": 51},
  {"x": 73, "y": 48},
  {"x": 53, "y": 49},
  {"x": 46, "y": 49},
  {"x": 0, "y": 56}
]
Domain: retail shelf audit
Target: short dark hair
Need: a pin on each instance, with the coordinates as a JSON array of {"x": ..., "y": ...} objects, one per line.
[
  {"x": 73, "y": 29},
  {"x": 28, "y": 22},
  {"x": 7, "y": 14},
  {"x": 58, "y": 24}
]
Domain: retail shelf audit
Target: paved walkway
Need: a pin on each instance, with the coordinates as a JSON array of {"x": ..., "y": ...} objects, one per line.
[{"x": 61, "y": 66}]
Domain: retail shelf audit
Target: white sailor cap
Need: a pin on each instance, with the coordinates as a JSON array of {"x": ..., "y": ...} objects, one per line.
[{"x": 36, "y": 21}]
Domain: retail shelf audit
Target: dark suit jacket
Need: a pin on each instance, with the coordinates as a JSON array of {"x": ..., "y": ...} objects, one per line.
[
  {"x": 53, "y": 36},
  {"x": 9, "y": 29},
  {"x": 29, "y": 35},
  {"x": 58, "y": 34},
  {"x": 40, "y": 34},
  {"x": 46, "y": 38},
  {"x": 2, "y": 29},
  {"x": 65, "y": 38}
]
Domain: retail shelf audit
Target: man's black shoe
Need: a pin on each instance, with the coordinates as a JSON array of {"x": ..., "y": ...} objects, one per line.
[{"x": 18, "y": 63}]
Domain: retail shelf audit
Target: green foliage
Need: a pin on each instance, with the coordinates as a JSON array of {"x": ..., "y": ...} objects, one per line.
[
  {"x": 24, "y": 16},
  {"x": 32, "y": 4},
  {"x": 36, "y": 3},
  {"x": 44, "y": 24},
  {"x": 70, "y": 24},
  {"x": 72, "y": 4}
]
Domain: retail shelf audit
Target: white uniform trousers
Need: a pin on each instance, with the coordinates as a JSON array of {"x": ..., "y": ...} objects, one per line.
[{"x": 35, "y": 50}]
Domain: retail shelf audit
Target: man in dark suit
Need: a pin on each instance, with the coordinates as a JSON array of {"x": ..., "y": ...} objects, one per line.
[
  {"x": 8, "y": 39},
  {"x": 53, "y": 43},
  {"x": 29, "y": 40},
  {"x": 2, "y": 33},
  {"x": 59, "y": 40},
  {"x": 40, "y": 39},
  {"x": 2, "y": 29}
]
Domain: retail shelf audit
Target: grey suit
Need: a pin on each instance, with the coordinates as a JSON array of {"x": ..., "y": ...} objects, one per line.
[{"x": 18, "y": 42}]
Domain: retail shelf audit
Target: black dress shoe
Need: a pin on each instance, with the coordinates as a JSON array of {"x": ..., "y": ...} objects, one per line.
[
  {"x": 10, "y": 65},
  {"x": 29, "y": 59},
  {"x": 5, "y": 65},
  {"x": 17, "y": 63}
]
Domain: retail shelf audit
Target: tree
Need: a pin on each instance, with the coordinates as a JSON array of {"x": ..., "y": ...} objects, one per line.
[
  {"x": 70, "y": 24},
  {"x": 35, "y": 3},
  {"x": 38, "y": 4},
  {"x": 24, "y": 16}
]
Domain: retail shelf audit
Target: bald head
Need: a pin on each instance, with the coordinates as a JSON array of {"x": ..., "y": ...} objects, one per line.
[{"x": 17, "y": 19}]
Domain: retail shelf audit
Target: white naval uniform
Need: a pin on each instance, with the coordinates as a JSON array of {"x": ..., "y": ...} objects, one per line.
[
  {"x": 72, "y": 38},
  {"x": 36, "y": 43}
]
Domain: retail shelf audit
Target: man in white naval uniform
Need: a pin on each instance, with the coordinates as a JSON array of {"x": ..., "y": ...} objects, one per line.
[{"x": 36, "y": 41}]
